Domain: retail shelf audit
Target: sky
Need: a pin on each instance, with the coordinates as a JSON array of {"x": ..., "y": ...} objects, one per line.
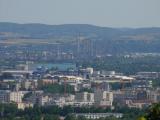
[{"x": 108, "y": 13}]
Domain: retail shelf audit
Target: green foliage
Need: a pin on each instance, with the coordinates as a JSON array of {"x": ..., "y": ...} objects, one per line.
[
  {"x": 10, "y": 112},
  {"x": 153, "y": 112},
  {"x": 86, "y": 90},
  {"x": 141, "y": 118},
  {"x": 51, "y": 110},
  {"x": 156, "y": 82},
  {"x": 8, "y": 109},
  {"x": 27, "y": 95},
  {"x": 70, "y": 117},
  {"x": 125, "y": 65},
  {"x": 57, "y": 88},
  {"x": 51, "y": 117}
]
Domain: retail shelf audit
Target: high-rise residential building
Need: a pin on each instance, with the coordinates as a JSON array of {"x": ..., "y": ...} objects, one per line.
[
  {"x": 9, "y": 96},
  {"x": 84, "y": 97},
  {"x": 16, "y": 96},
  {"x": 103, "y": 98},
  {"x": 4, "y": 96}
]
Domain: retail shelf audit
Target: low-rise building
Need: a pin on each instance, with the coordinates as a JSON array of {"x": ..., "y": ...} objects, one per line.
[
  {"x": 138, "y": 103},
  {"x": 99, "y": 115},
  {"x": 148, "y": 75},
  {"x": 24, "y": 105}
]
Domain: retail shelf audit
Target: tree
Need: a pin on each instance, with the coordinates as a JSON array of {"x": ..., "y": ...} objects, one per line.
[
  {"x": 154, "y": 112},
  {"x": 51, "y": 117},
  {"x": 57, "y": 88},
  {"x": 70, "y": 117},
  {"x": 141, "y": 118}
]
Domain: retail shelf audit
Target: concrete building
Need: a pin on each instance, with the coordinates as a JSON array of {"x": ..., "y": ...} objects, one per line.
[
  {"x": 141, "y": 95},
  {"x": 148, "y": 75},
  {"x": 103, "y": 98},
  {"x": 4, "y": 96},
  {"x": 99, "y": 115},
  {"x": 15, "y": 96},
  {"x": 84, "y": 97},
  {"x": 24, "y": 105},
  {"x": 7, "y": 96},
  {"x": 89, "y": 70},
  {"x": 26, "y": 84},
  {"x": 138, "y": 103}
]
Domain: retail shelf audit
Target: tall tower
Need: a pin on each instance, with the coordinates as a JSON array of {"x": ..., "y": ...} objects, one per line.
[
  {"x": 58, "y": 51},
  {"x": 27, "y": 66},
  {"x": 78, "y": 45}
]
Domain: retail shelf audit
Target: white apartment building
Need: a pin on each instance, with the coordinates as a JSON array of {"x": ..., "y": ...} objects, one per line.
[{"x": 16, "y": 96}]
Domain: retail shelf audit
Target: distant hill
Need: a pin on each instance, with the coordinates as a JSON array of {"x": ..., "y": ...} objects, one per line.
[{"x": 108, "y": 39}]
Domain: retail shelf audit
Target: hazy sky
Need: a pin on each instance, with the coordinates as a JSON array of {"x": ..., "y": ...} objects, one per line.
[{"x": 111, "y": 13}]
